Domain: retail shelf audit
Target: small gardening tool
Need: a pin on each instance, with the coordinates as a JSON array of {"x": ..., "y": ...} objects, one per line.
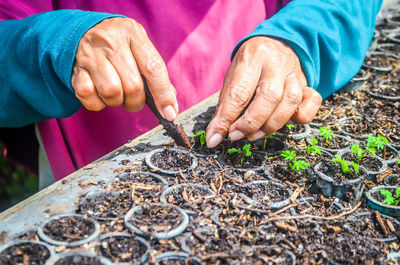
[{"x": 174, "y": 129}]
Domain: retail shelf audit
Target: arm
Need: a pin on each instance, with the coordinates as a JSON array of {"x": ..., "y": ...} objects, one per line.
[
  {"x": 311, "y": 48},
  {"x": 54, "y": 62},
  {"x": 37, "y": 56}
]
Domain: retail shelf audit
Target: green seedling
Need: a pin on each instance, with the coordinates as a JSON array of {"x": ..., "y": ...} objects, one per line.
[
  {"x": 390, "y": 198},
  {"x": 202, "y": 137},
  {"x": 289, "y": 126},
  {"x": 345, "y": 166},
  {"x": 327, "y": 133},
  {"x": 398, "y": 161},
  {"x": 360, "y": 153},
  {"x": 242, "y": 153},
  {"x": 265, "y": 140},
  {"x": 313, "y": 148},
  {"x": 294, "y": 163},
  {"x": 377, "y": 142}
]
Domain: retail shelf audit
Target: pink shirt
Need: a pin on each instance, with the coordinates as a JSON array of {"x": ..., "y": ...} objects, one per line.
[{"x": 195, "y": 39}]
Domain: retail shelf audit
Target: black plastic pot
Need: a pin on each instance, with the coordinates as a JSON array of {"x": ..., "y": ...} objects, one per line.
[
  {"x": 392, "y": 161},
  {"x": 390, "y": 48},
  {"x": 371, "y": 174},
  {"x": 301, "y": 177},
  {"x": 163, "y": 182},
  {"x": 179, "y": 187},
  {"x": 384, "y": 97},
  {"x": 333, "y": 151},
  {"x": 139, "y": 259},
  {"x": 273, "y": 145},
  {"x": 372, "y": 66},
  {"x": 43, "y": 236},
  {"x": 20, "y": 243},
  {"x": 175, "y": 256},
  {"x": 78, "y": 258},
  {"x": 291, "y": 257},
  {"x": 293, "y": 135},
  {"x": 97, "y": 215},
  {"x": 375, "y": 199},
  {"x": 169, "y": 172},
  {"x": 392, "y": 180},
  {"x": 343, "y": 121},
  {"x": 260, "y": 156},
  {"x": 359, "y": 218},
  {"x": 329, "y": 187},
  {"x": 272, "y": 205},
  {"x": 160, "y": 235}
]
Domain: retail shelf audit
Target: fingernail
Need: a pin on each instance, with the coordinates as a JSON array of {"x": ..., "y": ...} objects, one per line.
[
  {"x": 169, "y": 113},
  {"x": 257, "y": 135},
  {"x": 214, "y": 140},
  {"x": 236, "y": 135}
]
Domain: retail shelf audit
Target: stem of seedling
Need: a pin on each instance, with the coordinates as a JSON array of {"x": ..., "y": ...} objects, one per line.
[
  {"x": 313, "y": 148},
  {"x": 265, "y": 140},
  {"x": 294, "y": 163},
  {"x": 327, "y": 133},
  {"x": 242, "y": 153},
  {"x": 344, "y": 165},
  {"x": 202, "y": 137}
]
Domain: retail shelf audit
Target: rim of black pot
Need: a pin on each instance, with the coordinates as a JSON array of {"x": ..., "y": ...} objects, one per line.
[
  {"x": 155, "y": 176},
  {"x": 260, "y": 154},
  {"x": 143, "y": 241},
  {"x": 370, "y": 173},
  {"x": 297, "y": 136},
  {"x": 162, "y": 235},
  {"x": 393, "y": 256},
  {"x": 331, "y": 150},
  {"x": 49, "y": 248},
  {"x": 274, "y": 205},
  {"x": 382, "y": 47},
  {"x": 167, "y": 191},
  {"x": 215, "y": 218},
  {"x": 391, "y": 162},
  {"x": 380, "y": 206},
  {"x": 43, "y": 236},
  {"x": 177, "y": 255},
  {"x": 329, "y": 187},
  {"x": 388, "y": 239},
  {"x": 268, "y": 175},
  {"x": 382, "y": 69},
  {"x": 356, "y": 137},
  {"x": 64, "y": 255},
  {"x": 169, "y": 172},
  {"x": 94, "y": 194},
  {"x": 390, "y": 177}
]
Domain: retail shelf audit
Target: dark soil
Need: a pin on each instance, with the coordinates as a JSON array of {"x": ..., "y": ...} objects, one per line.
[
  {"x": 366, "y": 224},
  {"x": 172, "y": 160},
  {"x": 104, "y": 205},
  {"x": 265, "y": 192},
  {"x": 25, "y": 253},
  {"x": 234, "y": 160},
  {"x": 272, "y": 145},
  {"x": 152, "y": 219},
  {"x": 374, "y": 60},
  {"x": 334, "y": 171},
  {"x": 369, "y": 162},
  {"x": 297, "y": 128},
  {"x": 390, "y": 89},
  {"x": 334, "y": 143},
  {"x": 69, "y": 229},
  {"x": 177, "y": 261},
  {"x": 282, "y": 172},
  {"x": 79, "y": 260},
  {"x": 142, "y": 184},
  {"x": 122, "y": 249}
]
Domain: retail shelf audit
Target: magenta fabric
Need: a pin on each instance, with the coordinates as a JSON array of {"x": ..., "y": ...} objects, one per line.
[{"x": 195, "y": 39}]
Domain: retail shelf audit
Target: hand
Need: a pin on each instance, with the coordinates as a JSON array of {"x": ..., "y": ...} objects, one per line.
[
  {"x": 270, "y": 70},
  {"x": 110, "y": 60}
]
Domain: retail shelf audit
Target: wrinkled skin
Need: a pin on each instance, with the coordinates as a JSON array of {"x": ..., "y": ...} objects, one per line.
[
  {"x": 270, "y": 69},
  {"x": 113, "y": 55}
]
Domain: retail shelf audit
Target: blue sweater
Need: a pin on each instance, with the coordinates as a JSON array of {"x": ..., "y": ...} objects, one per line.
[{"x": 330, "y": 38}]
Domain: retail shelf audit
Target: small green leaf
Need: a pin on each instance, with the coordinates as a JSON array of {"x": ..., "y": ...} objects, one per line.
[
  {"x": 314, "y": 140},
  {"x": 289, "y": 126},
  {"x": 356, "y": 167}
]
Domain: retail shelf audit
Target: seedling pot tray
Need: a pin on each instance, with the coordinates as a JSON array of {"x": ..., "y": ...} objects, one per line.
[{"x": 78, "y": 257}]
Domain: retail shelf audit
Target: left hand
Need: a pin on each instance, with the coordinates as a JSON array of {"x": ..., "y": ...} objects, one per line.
[{"x": 270, "y": 69}]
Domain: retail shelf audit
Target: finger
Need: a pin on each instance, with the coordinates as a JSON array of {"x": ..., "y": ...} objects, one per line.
[
  {"x": 237, "y": 91},
  {"x": 85, "y": 90},
  {"x": 291, "y": 99},
  {"x": 153, "y": 68},
  {"x": 131, "y": 80},
  {"x": 107, "y": 82},
  {"x": 268, "y": 95},
  {"x": 309, "y": 107}
]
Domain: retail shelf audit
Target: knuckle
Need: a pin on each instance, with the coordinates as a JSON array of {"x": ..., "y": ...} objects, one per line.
[
  {"x": 154, "y": 66},
  {"x": 95, "y": 107},
  {"x": 110, "y": 91},
  {"x": 132, "y": 87},
  {"x": 249, "y": 124},
  {"x": 84, "y": 91},
  {"x": 270, "y": 94},
  {"x": 239, "y": 95}
]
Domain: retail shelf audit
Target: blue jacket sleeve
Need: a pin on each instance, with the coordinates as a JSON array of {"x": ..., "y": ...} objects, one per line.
[
  {"x": 37, "y": 55},
  {"x": 330, "y": 37}
]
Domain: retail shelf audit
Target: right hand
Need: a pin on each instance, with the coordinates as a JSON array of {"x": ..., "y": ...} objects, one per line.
[{"x": 110, "y": 60}]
